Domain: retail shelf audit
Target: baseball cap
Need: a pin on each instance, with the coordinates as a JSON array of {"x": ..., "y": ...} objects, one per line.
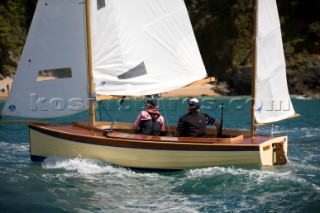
[{"x": 193, "y": 103}]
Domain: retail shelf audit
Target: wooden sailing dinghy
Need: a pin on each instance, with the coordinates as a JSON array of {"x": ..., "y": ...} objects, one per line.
[{"x": 78, "y": 52}]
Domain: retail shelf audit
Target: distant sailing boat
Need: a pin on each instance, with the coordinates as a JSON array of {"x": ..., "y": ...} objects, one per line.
[{"x": 78, "y": 52}]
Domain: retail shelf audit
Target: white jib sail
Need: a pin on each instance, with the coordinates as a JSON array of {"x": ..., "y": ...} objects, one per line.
[
  {"x": 143, "y": 47},
  {"x": 51, "y": 79},
  {"x": 272, "y": 100}
]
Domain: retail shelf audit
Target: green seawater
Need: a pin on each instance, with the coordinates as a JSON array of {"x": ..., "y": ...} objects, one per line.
[{"x": 84, "y": 185}]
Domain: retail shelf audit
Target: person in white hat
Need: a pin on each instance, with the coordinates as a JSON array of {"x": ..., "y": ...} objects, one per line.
[{"x": 194, "y": 123}]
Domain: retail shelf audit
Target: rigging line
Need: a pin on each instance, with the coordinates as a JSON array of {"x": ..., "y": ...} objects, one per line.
[
  {"x": 102, "y": 108},
  {"x": 221, "y": 125},
  {"x": 158, "y": 97},
  {"x": 117, "y": 113},
  {"x": 165, "y": 117},
  {"x": 243, "y": 81}
]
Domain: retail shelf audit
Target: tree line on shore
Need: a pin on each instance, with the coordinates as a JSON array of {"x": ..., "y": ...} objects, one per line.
[{"x": 223, "y": 29}]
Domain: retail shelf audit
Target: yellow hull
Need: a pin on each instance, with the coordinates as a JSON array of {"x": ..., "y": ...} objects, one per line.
[{"x": 149, "y": 154}]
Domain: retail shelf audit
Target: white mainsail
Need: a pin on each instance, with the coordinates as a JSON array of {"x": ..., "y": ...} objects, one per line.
[
  {"x": 143, "y": 47},
  {"x": 272, "y": 100},
  {"x": 55, "y": 44}
]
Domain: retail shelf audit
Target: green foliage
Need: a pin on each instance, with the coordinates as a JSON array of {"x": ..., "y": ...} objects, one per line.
[
  {"x": 8, "y": 70},
  {"x": 223, "y": 29},
  {"x": 225, "y": 38},
  {"x": 315, "y": 28},
  {"x": 12, "y": 25},
  {"x": 15, "y": 19},
  {"x": 243, "y": 25}
]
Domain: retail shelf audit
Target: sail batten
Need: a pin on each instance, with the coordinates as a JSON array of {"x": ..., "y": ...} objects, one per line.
[{"x": 272, "y": 100}]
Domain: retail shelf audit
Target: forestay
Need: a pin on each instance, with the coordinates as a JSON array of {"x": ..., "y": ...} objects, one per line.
[
  {"x": 272, "y": 100},
  {"x": 143, "y": 47}
]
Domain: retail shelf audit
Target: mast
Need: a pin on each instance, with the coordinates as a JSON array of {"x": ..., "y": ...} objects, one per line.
[
  {"x": 254, "y": 67},
  {"x": 90, "y": 75}
]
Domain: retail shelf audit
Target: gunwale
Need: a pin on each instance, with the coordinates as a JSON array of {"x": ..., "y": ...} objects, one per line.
[{"x": 118, "y": 139}]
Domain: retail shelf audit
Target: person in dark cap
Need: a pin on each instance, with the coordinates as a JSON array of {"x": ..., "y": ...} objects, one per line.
[
  {"x": 150, "y": 121},
  {"x": 194, "y": 123}
]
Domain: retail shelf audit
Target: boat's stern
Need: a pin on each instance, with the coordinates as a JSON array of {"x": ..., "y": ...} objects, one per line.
[{"x": 274, "y": 151}]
